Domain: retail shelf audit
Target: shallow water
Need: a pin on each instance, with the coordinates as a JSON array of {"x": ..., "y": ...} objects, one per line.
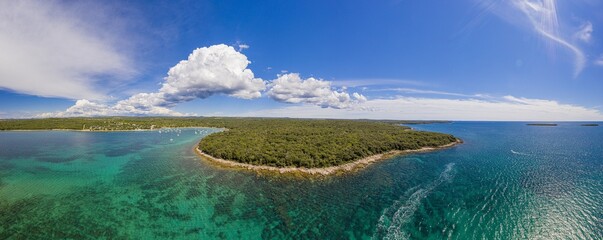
[{"x": 507, "y": 181}]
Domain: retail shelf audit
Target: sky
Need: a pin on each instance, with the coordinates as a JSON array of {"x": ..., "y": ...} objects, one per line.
[{"x": 494, "y": 60}]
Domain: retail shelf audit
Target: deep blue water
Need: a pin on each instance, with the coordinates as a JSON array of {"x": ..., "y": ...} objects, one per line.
[{"x": 507, "y": 181}]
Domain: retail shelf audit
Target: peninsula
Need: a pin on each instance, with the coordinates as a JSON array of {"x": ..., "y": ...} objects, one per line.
[{"x": 280, "y": 144}]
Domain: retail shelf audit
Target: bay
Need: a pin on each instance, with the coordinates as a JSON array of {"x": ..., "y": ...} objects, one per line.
[{"x": 506, "y": 181}]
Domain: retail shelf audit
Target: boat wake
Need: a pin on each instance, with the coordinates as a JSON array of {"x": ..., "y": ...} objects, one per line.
[
  {"x": 395, "y": 217},
  {"x": 519, "y": 153}
]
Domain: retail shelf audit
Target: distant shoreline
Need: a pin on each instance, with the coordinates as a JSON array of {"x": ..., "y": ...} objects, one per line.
[
  {"x": 347, "y": 167},
  {"x": 542, "y": 124}
]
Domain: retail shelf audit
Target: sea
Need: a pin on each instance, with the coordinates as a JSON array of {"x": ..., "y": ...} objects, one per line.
[{"x": 507, "y": 180}]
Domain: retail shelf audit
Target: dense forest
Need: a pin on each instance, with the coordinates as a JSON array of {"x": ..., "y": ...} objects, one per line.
[
  {"x": 315, "y": 143},
  {"x": 268, "y": 141}
]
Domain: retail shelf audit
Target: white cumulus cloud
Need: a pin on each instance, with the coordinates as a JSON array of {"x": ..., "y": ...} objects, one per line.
[
  {"x": 291, "y": 88},
  {"x": 217, "y": 69},
  {"x": 145, "y": 104},
  {"x": 87, "y": 108},
  {"x": 83, "y": 108},
  {"x": 212, "y": 70},
  {"x": 48, "y": 50}
]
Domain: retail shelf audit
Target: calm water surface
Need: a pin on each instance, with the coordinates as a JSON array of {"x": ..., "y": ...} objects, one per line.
[{"x": 507, "y": 181}]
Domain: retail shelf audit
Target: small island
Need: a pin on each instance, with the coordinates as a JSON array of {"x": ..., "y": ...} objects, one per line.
[
  {"x": 315, "y": 146},
  {"x": 589, "y": 125},
  {"x": 542, "y": 124}
]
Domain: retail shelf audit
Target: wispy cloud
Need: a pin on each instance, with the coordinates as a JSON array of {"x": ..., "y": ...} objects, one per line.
[
  {"x": 243, "y": 47},
  {"x": 51, "y": 50},
  {"x": 508, "y": 108},
  {"x": 376, "y": 82},
  {"x": 542, "y": 15},
  {"x": 599, "y": 61},
  {"x": 585, "y": 32},
  {"x": 429, "y": 92}
]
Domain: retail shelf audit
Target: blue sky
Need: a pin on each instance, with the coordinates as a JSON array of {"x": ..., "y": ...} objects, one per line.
[{"x": 458, "y": 60}]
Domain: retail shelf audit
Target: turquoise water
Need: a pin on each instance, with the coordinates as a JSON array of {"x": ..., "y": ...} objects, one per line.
[{"x": 507, "y": 181}]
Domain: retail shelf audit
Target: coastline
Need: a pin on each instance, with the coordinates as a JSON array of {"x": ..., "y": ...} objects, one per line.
[
  {"x": 347, "y": 167},
  {"x": 87, "y": 130}
]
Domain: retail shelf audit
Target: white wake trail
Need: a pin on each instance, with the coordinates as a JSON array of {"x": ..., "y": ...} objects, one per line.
[{"x": 400, "y": 213}]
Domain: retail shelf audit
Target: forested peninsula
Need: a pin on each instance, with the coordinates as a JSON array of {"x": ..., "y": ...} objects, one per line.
[{"x": 276, "y": 143}]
